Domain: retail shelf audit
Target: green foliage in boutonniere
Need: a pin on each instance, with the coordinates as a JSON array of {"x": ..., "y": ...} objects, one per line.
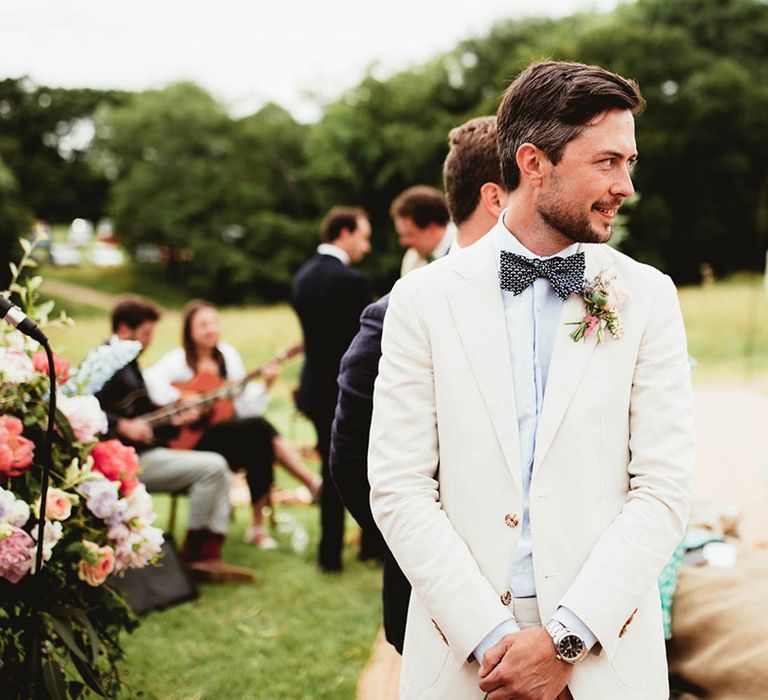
[{"x": 602, "y": 301}]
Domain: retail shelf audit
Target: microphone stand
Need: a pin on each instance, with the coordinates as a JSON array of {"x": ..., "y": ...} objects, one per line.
[{"x": 47, "y": 456}]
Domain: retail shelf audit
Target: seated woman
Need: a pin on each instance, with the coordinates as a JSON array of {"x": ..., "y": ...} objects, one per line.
[{"x": 246, "y": 439}]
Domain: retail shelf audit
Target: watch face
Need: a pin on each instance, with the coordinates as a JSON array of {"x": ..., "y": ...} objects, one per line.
[{"x": 570, "y": 647}]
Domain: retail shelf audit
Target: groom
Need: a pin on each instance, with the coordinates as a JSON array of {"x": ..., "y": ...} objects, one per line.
[{"x": 564, "y": 466}]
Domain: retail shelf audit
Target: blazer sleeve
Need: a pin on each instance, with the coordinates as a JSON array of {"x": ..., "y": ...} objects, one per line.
[
  {"x": 352, "y": 423},
  {"x": 402, "y": 468},
  {"x": 627, "y": 559}
]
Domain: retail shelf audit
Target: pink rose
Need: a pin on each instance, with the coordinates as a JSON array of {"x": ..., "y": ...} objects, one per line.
[
  {"x": 15, "y": 553},
  {"x": 616, "y": 299},
  {"x": 117, "y": 462},
  {"x": 592, "y": 322},
  {"x": 16, "y": 452},
  {"x": 60, "y": 365},
  {"x": 97, "y": 563},
  {"x": 84, "y": 415},
  {"x": 57, "y": 505}
]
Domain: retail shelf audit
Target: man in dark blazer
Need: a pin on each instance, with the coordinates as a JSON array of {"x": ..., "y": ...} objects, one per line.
[
  {"x": 328, "y": 295},
  {"x": 475, "y": 198}
]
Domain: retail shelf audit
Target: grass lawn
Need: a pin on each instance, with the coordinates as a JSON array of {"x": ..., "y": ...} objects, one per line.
[
  {"x": 727, "y": 325},
  {"x": 295, "y": 633}
]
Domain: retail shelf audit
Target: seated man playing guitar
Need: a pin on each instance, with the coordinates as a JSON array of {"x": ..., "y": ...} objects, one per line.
[
  {"x": 204, "y": 475},
  {"x": 208, "y": 372}
]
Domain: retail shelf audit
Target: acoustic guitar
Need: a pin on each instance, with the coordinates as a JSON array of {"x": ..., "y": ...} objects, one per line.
[{"x": 213, "y": 393}]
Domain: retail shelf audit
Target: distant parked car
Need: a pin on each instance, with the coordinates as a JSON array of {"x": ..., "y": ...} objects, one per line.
[
  {"x": 106, "y": 255},
  {"x": 65, "y": 255},
  {"x": 80, "y": 232},
  {"x": 105, "y": 230}
]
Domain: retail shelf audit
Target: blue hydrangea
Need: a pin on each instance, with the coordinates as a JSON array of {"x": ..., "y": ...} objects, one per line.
[{"x": 101, "y": 364}]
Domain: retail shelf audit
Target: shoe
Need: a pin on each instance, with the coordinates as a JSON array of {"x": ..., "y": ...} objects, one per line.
[
  {"x": 218, "y": 571},
  {"x": 329, "y": 568},
  {"x": 260, "y": 537}
]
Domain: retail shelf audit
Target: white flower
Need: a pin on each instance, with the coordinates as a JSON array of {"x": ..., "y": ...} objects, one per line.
[
  {"x": 13, "y": 510},
  {"x": 15, "y": 365},
  {"x": 140, "y": 507},
  {"x": 100, "y": 495},
  {"x": 85, "y": 416},
  {"x": 135, "y": 549},
  {"x": 52, "y": 533}
]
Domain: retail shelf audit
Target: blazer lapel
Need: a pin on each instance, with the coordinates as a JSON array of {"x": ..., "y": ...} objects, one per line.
[
  {"x": 569, "y": 359},
  {"x": 478, "y": 312}
]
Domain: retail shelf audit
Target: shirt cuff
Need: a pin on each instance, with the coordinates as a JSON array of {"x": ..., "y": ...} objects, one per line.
[
  {"x": 573, "y": 622},
  {"x": 501, "y": 630}
]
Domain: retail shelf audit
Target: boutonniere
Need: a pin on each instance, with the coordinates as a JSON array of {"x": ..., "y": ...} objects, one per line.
[{"x": 602, "y": 302}]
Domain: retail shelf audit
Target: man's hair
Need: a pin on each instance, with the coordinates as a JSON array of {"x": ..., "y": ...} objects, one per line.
[
  {"x": 472, "y": 160},
  {"x": 424, "y": 205},
  {"x": 133, "y": 311},
  {"x": 338, "y": 219},
  {"x": 549, "y": 104}
]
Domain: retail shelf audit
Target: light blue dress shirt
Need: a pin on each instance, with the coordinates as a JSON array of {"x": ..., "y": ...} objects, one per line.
[{"x": 532, "y": 321}]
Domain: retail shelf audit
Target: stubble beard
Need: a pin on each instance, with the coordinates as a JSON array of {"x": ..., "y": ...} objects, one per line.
[
  {"x": 556, "y": 213},
  {"x": 572, "y": 225}
]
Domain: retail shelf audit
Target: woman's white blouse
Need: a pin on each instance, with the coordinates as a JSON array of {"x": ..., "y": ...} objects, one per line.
[{"x": 172, "y": 369}]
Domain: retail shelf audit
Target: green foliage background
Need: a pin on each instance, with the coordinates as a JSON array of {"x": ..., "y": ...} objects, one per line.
[{"x": 235, "y": 203}]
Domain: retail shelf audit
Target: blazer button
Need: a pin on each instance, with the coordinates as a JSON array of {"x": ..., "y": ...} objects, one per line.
[
  {"x": 506, "y": 598},
  {"x": 511, "y": 520}
]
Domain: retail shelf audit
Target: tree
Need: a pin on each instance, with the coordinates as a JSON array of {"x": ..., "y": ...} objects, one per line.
[
  {"x": 15, "y": 221},
  {"x": 44, "y": 141}
]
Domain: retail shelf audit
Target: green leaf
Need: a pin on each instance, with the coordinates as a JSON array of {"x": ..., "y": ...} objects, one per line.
[
  {"x": 90, "y": 676},
  {"x": 34, "y": 282},
  {"x": 54, "y": 680},
  {"x": 31, "y": 263},
  {"x": 63, "y": 424},
  {"x": 92, "y": 636},
  {"x": 26, "y": 246},
  {"x": 14, "y": 269},
  {"x": 45, "y": 308},
  {"x": 64, "y": 629}
]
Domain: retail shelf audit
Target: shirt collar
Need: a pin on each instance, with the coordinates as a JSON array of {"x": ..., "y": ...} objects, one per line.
[
  {"x": 445, "y": 242},
  {"x": 335, "y": 251},
  {"x": 504, "y": 239}
]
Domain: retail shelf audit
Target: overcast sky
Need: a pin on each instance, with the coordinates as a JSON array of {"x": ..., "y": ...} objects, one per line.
[{"x": 245, "y": 52}]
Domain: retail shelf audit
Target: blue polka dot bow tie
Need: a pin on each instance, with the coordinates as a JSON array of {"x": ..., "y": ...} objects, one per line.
[{"x": 566, "y": 275}]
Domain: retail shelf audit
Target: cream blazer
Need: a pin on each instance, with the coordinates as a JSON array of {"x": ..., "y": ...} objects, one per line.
[{"x": 611, "y": 482}]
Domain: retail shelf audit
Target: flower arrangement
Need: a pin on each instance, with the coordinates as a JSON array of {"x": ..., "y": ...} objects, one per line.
[
  {"x": 603, "y": 301},
  {"x": 60, "y": 626}
]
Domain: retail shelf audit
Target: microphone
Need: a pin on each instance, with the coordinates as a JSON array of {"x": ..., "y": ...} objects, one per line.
[{"x": 19, "y": 320}]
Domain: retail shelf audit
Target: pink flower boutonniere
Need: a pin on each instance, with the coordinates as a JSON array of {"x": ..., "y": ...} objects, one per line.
[{"x": 602, "y": 301}]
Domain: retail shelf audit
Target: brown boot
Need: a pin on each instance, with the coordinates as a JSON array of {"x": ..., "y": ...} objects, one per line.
[
  {"x": 208, "y": 566},
  {"x": 218, "y": 571}
]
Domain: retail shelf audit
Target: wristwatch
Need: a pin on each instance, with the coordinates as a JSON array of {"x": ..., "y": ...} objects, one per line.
[{"x": 568, "y": 645}]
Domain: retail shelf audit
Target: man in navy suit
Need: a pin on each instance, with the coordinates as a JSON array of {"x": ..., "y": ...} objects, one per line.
[
  {"x": 328, "y": 295},
  {"x": 475, "y": 198}
]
